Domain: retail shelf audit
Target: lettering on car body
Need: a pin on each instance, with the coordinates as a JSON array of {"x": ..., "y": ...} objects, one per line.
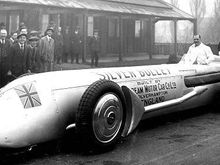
[
  {"x": 152, "y": 85},
  {"x": 157, "y": 90},
  {"x": 118, "y": 75}
]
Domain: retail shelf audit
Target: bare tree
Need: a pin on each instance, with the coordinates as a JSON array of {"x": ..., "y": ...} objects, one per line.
[
  {"x": 216, "y": 23},
  {"x": 198, "y": 10},
  {"x": 211, "y": 33},
  {"x": 217, "y": 8}
]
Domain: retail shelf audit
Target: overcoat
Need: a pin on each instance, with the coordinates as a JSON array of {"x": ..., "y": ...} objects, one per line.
[
  {"x": 35, "y": 59},
  {"x": 4, "y": 61},
  {"x": 46, "y": 49},
  {"x": 20, "y": 60},
  {"x": 76, "y": 42},
  {"x": 4, "y": 51}
]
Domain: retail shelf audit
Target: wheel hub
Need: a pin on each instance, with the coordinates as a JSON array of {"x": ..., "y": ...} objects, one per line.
[
  {"x": 111, "y": 118},
  {"x": 107, "y": 118}
]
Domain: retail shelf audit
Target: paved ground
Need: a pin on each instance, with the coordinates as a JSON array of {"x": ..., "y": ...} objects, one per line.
[
  {"x": 114, "y": 62},
  {"x": 189, "y": 138}
]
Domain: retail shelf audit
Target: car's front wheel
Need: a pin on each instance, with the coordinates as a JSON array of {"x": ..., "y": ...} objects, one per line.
[{"x": 101, "y": 114}]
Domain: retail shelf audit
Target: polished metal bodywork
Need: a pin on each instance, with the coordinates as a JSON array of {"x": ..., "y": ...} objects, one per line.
[{"x": 48, "y": 105}]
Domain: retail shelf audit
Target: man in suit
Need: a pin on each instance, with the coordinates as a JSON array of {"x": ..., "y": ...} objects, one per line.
[
  {"x": 34, "y": 55},
  {"x": 46, "y": 51},
  {"x": 20, "y": 56},
  {"x": 95, "y": 46},
  {"x": 76, "y": 42},
  {"x": 4, "y": 57},
  {"x": 58, "y": 40},
  {"x": 67, "y": 44}
]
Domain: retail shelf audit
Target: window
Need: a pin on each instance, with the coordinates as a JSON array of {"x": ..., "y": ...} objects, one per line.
[
  {"x": 54, "y": 20},
  {"x": 13, "y": 23},
  {"x": 45, "y": 23},
  {"x": 137, "y": 28},
  {"x": 2, "y": 19},
  {"x": 113, "y": 27},
  {"x": 90, "y": 26}
]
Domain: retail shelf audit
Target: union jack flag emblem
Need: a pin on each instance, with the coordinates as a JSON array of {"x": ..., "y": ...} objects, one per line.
[{"x": 28, "y": 95}]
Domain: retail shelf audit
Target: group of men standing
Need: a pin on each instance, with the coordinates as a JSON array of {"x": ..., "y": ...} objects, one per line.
[
  {"x": 73, "y": 46},
  {"x": 27, "y": 52}
]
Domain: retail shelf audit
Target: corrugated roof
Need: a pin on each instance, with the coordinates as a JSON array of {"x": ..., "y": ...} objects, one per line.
[
  {"x": 143, "y": 7},
  {"x": 152, "y": 3}
]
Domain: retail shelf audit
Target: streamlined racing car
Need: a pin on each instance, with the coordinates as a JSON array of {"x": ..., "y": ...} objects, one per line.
[{"x": 102, "y": 104}]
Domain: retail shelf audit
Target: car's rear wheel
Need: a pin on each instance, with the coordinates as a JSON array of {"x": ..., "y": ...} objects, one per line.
[{"x": 101, "y": 114}]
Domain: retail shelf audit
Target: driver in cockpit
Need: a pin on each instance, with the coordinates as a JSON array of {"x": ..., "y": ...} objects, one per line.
[{"x": 198, "y": 53}]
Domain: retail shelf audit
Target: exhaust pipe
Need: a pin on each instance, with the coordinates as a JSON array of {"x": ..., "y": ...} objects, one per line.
[{"x": 196, "y": 91}]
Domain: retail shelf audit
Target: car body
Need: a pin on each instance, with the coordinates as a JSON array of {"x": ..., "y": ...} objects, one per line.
[{"x": 102, "y": 104}]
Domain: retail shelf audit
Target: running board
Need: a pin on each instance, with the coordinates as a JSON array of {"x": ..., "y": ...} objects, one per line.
[{"x": 197, "y": 91}]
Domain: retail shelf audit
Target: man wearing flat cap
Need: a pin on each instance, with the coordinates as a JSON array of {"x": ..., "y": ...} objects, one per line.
[
  {"x": 34, "y": 55},
  {"x": 46, "y": 51},
  {"x": 33, "y": 33},
  {"x": 20, "y": 56}
]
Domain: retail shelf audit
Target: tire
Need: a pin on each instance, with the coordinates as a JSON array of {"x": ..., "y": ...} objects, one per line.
[{"x": 101, "y": 115}]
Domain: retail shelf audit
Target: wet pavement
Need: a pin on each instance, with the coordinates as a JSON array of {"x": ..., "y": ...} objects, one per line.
[{"x": 191, "y": 137}]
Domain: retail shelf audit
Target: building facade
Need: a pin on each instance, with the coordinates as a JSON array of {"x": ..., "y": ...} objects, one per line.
[{"x": 126, "y": 27}]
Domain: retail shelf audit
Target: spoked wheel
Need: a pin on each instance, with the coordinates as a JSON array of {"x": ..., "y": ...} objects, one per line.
[{"x": 101, "y": 114}]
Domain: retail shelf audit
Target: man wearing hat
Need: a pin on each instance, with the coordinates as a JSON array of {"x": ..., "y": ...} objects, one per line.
[
  {"x": 58, "y": 41},
  {"x": 20, "y": 56},
  {"x": 23, "y": 29},
  {"x": 33, "y": 33},
  {"x": 76, "y": 45},
  {"x": 34, "y": 55},
  {"x": 4, "y": 57},
  {"x": 95, "y": 46},
  {"x": 46, "y": 51}
]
